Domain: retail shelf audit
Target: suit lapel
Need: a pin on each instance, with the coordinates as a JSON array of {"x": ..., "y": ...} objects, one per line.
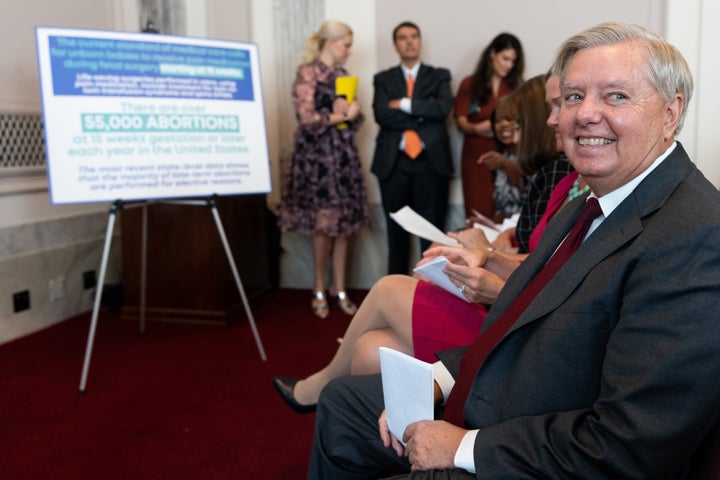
[
  {"x": 398, "y": 82},
  {"x": 620, "y": 227},
  {"x": 556, "y": 230},
  {"x": 422, "y": 73},
  {"x": 623, "y": 224}
]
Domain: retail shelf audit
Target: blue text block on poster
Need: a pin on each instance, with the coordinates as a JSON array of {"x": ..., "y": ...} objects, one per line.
[{"x": 129, "y": 68}]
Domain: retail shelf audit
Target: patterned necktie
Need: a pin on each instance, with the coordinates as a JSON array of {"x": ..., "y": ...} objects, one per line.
[
  {"x": 413, "y": 145},
  {"x": 478, "y": 351}
]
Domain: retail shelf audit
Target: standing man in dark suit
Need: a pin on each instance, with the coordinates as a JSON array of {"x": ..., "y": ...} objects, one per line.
[
  {"x": 609, "y": 368},
  {"x": 412, "y": 158}
]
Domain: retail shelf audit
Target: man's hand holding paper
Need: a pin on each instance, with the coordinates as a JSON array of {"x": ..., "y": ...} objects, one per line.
[
  {"x": 408, "y": 390},
  {"x": 409, "y": 393}
]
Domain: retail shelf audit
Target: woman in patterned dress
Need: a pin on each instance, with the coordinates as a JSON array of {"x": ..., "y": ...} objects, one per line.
[{"x": 324, "y": 196}]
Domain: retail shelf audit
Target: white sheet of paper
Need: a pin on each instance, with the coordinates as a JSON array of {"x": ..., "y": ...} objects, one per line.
[
  {"x": 433, "y": 271},
  {"x": 412, "y": 222},
  {"x": 488, "y": 222},
  {"x": 408, "y": 390},
  {"x": 491, "y": 233}
]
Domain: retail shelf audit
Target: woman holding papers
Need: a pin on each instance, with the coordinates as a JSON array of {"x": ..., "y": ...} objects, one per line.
[
  {"x": 414, "y": 316},
  {"x": 324, "y": 195}
]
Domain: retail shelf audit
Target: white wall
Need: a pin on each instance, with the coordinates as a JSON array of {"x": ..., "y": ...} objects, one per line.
[
  {"x": 361, "y": 16},
  {"x": 42, "y": 244},
  {"x": 692, "y": 27},
  {"x": 261, "y": 14},
  {"x": 708, "y": 95},
  {"x": 20, "y": 94}
]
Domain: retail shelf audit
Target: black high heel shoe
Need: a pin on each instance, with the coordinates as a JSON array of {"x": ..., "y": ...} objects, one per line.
[{"x": 285, "y": 387}]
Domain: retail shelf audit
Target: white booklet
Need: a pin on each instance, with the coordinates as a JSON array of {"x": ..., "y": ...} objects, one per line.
[
  {"x": 408, "y": 390},
  {"x": 416, "y": 224},
  {"x": 433, "y": 271}
]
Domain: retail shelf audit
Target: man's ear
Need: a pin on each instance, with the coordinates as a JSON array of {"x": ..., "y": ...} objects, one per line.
[{"x": 673, "y": 111}]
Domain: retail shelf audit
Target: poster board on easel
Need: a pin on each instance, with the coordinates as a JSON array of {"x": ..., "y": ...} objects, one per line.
[{"x": 134, "y": 116}]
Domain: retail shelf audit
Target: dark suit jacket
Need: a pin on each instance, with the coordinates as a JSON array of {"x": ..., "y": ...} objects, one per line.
[
  {"x": 431, "y": 104},
  {"x": 612, "y": 372}
]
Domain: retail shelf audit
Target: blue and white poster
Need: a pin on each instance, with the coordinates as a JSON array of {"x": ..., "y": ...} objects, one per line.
[{"x": 135, "y": 116}]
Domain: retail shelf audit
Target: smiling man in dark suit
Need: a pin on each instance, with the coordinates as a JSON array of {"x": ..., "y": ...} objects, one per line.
[
  {"x": 412, "y": 158},
  {"x": 607, "y": 367}
]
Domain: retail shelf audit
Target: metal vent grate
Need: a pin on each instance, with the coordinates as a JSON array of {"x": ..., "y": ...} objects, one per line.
[{"x": 21, "y": 140}]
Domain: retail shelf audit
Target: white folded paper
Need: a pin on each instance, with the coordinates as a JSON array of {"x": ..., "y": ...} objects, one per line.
[
  {"x": 416, "y": 224},
  {"x": 492, "y": 230},
  {"x": 408, "y": 390},
  {"x": 433, "y": 271},
  {"x": 412, "y": 222}
]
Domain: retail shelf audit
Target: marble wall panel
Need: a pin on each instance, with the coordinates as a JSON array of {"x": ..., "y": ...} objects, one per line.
[{"x": 49, "y": 259}]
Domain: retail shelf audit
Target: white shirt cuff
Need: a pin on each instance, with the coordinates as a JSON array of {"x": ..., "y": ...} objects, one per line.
[
  {"x": 444, "y": 379},
  {"x": 465, "y": 455},
  {"x": 406, "y": 105}
]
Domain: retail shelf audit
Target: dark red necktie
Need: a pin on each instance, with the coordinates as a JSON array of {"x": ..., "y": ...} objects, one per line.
[{"x": 476, "y": 353}]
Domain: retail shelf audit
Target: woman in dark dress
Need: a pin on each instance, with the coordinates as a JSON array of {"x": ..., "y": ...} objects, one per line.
[{"x": 324, "y": 196}]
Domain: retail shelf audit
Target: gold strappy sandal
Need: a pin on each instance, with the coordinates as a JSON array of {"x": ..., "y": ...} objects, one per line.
[
  {"x": 345, "y": 304},
  {"x": 320, "y": 305}
]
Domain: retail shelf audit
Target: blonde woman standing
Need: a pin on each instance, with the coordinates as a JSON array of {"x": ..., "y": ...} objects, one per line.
[{"x": 324, "y": 195}]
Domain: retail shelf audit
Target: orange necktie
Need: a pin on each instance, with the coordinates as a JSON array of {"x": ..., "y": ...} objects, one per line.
[{"x": 413, "y": 145}]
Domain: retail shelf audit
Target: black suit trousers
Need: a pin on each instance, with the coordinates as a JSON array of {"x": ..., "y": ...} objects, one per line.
[
  {"x": 416, "y": 184},
  {"x": 347, "y": 443}
]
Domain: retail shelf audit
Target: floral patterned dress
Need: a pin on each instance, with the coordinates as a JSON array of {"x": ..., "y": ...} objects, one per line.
[
  {"x": 509, "y": 198},
  {"x": 324, "y": 191}
]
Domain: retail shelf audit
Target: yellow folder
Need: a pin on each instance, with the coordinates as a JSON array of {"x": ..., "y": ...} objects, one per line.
[{"x": 346, "y": 87}]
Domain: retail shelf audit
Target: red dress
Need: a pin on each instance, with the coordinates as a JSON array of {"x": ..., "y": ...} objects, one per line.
[
  {"x": 477, "y": 180},
  {"x": 441, "y": 321}
]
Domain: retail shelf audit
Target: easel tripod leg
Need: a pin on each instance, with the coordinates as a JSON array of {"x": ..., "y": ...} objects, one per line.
[
  {"x": 98, "y": 295},
  {"x": 231, "y": 260}
]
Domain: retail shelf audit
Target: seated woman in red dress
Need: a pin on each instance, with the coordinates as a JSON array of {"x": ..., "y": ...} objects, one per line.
[{"x": 414, "y": 316}]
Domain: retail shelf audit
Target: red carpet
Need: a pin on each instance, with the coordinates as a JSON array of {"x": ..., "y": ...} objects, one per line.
[{"x": 180, "y": 402}]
